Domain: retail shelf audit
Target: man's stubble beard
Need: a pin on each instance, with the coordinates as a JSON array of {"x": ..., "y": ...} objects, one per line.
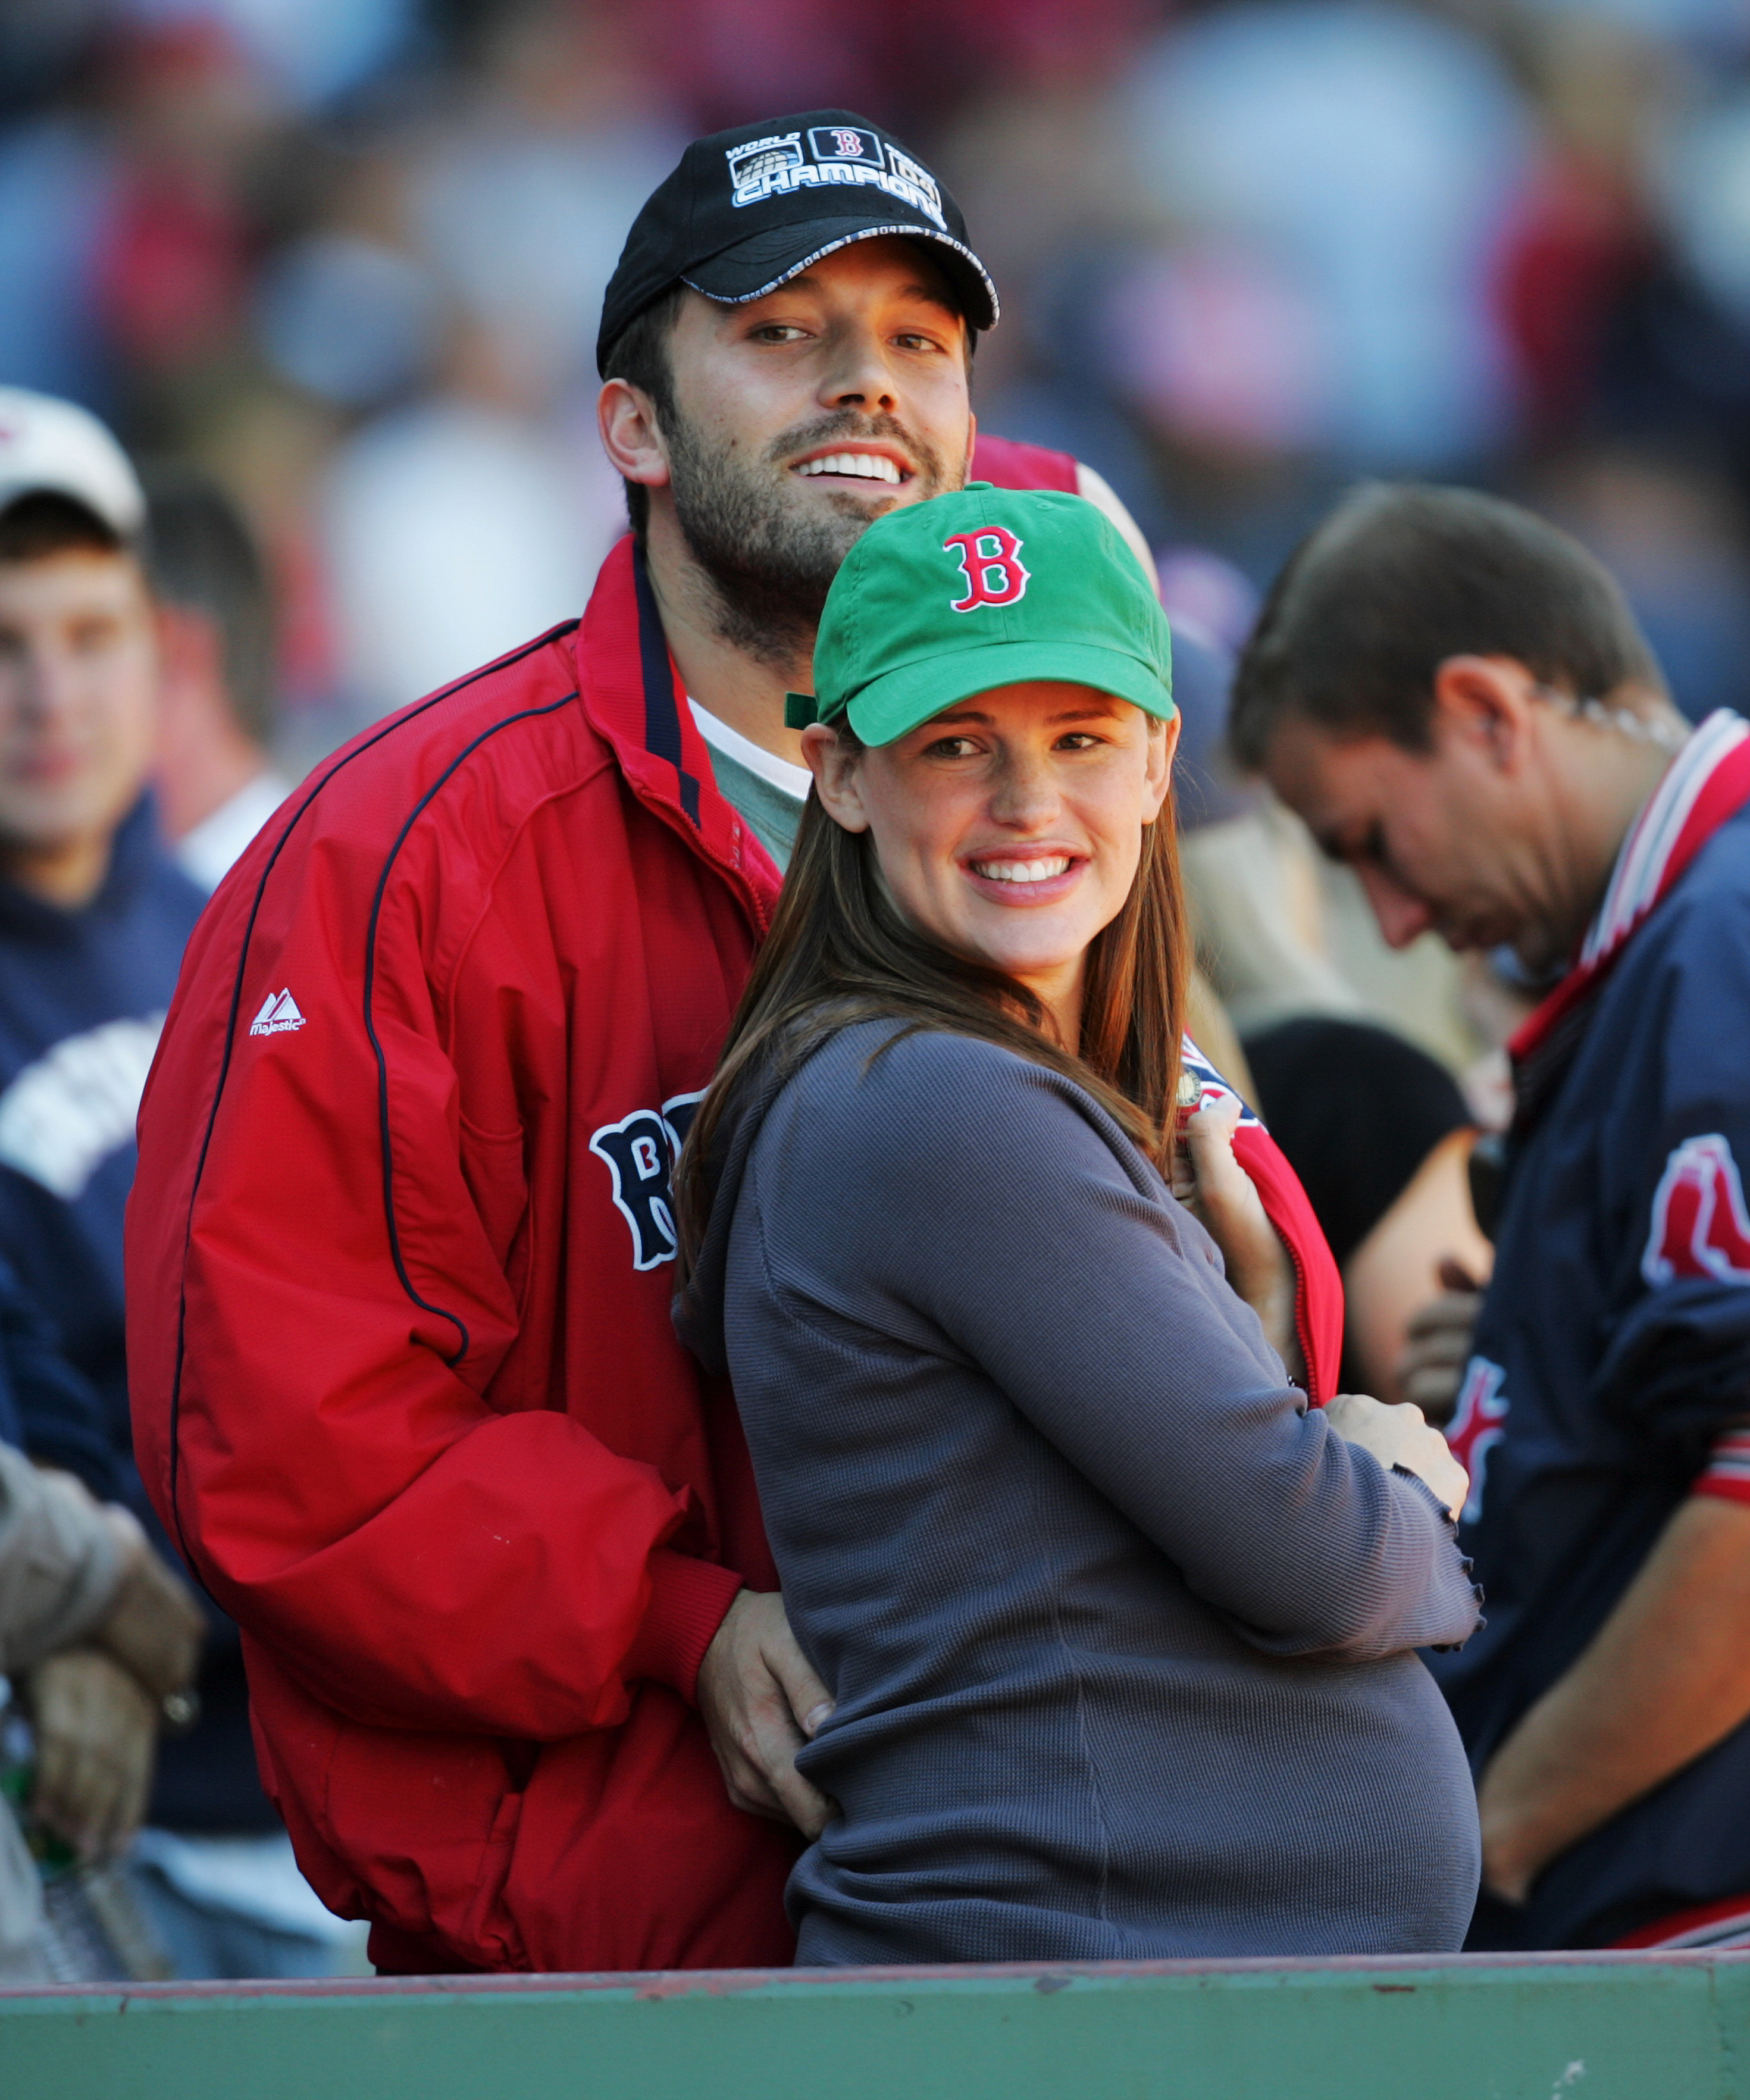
[{"x": 769, "y": 562}]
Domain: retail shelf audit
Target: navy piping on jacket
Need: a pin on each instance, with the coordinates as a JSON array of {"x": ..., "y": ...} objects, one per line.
[
  {"x": 467, "y": 751},
  {"x": 661, "y": 715},
  {"x": 444, "y": 693}
]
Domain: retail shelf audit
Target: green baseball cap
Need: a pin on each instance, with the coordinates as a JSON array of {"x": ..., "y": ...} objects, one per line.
[{"x": 987, "y": 587}]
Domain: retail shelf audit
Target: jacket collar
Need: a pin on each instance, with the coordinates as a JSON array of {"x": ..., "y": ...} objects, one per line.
[
  {"x": 1704, "y": 786},
  {"x": 631, "y": 694}
]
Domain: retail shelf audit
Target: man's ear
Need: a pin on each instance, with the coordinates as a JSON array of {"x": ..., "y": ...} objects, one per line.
[
  {"x": 631, "y": 435},
  {"x": 1487, "y": 702},
  {"x": 191, "y": 647},
  {"x": 837, "y": 777}
]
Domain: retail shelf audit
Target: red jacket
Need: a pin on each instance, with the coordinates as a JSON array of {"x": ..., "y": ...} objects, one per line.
[{"x": 404, "y": 1383}]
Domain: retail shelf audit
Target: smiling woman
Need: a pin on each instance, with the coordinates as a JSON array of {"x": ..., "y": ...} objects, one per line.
[
  {"x": 1011, "y": 829},
  {"x": 1119, "y": 1635}
]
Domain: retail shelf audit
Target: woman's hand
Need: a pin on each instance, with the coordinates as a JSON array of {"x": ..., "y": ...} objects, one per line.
[
  {"x": 1219, "y": 1194},
  {"x": 1400, "y": 1436}
]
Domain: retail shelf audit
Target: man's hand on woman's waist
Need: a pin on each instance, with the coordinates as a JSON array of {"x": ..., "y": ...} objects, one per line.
[{"x": 761, "y": 1702}]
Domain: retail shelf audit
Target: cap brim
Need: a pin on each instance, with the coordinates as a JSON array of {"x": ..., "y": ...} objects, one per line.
[
  {"x": 892, "y": 707},
  {"x": 122, "y": 528},
  {"x": 759, "y": 265}
]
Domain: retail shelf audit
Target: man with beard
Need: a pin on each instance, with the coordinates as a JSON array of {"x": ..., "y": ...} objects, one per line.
[{"x": 406, "y": 1386}]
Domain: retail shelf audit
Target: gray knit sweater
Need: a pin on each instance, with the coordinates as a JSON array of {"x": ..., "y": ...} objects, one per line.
[{"x": 1121, "y": 1634}]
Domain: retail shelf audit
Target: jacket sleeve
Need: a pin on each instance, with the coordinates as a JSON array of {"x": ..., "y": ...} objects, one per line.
[
  {"x": 1676, "y": 1365},
  {"x": 326, "y": 1257},
  {"x": 997, "y": 1210},
  {"x": 58, "y": 1562}
]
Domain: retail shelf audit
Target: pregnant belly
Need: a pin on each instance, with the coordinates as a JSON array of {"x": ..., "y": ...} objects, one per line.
[{"x": 1303, "y": 1809}]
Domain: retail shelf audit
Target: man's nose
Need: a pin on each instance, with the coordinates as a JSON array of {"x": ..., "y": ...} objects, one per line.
[
  {"x": 858, "y": 373},
  {"x": 42, "y": 684},
  {"x": 1402, "y": 915}
]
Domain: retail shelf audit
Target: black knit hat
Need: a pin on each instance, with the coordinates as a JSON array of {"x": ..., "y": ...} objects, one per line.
[{"x": 750, "y": 208}]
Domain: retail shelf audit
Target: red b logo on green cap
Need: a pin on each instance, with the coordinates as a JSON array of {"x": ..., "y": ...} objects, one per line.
[{"x": 991, "y": 560}]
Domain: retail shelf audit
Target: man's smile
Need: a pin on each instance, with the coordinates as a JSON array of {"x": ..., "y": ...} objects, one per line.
[{"x": 882, "y": 463}]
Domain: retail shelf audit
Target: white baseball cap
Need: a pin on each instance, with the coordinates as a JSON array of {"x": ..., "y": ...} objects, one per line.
[{"x": 51, "y": 447}]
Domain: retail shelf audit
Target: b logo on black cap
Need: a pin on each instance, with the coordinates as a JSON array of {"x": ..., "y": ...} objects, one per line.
[{"x": 830, "y": 143}]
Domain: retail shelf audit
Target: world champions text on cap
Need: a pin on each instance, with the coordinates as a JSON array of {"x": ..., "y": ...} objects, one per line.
[{"x": 749, "y": 209}]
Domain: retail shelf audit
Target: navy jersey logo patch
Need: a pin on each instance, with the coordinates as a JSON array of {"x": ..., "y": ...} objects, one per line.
[
  {"x": 1477, "y": 1425},
  {"x": 639, "y": 1151},
  {"x": 1698, "y": 1225}
]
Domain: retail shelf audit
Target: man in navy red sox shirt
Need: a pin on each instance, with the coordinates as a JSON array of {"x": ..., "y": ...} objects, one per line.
[
  {"x": 1456, "y": 698},
  {"x": 406, "y": 1386}
]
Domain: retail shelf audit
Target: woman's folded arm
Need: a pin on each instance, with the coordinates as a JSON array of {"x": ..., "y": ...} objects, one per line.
[{"x": 1040, "y": 1246}]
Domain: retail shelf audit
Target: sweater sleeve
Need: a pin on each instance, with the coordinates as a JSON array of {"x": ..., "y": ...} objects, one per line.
[{"x": 1001, "y": 1205}]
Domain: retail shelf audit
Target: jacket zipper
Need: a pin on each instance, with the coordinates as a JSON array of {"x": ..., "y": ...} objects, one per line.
[
  {"x": 677, "y": 821},
  {"x": 1302, "y": 1331}
]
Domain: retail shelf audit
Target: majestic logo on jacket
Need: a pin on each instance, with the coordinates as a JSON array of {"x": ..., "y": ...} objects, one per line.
[
  {"x": 278, "y": 1014},
  {"x": 990, "y": 561},
  {"x": 63, "y": 1116},
  {"x": 1699, "y": 1228},
  {"x": 1478, "y": 1425},
  {"x": 639, "y": 1151}
]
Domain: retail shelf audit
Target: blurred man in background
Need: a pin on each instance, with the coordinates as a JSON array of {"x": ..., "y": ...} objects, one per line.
[
  {"x": 93, "y": 915},
  {"x": 215, "y": 782},
  {"x": 93, "y": 918},
  {"x": 1457, "y": 698}
]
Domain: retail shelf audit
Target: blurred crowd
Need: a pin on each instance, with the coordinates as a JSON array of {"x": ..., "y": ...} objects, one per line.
[
  {"x": 350, "y": 256},
  {"x": 348, "y": 259},
  {"x": 332, "y": 269}
]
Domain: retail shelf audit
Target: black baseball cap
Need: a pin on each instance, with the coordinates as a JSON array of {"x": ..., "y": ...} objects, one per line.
[{"x": 749, "y": 209}]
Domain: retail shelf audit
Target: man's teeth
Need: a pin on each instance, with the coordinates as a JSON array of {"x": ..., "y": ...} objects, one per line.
[
  {"x": 1022, "y": 870},
  {"x": 867, "y": 467}
]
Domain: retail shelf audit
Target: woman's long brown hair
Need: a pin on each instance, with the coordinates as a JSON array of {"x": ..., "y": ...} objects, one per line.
[{"x": 840, "y": 952}]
